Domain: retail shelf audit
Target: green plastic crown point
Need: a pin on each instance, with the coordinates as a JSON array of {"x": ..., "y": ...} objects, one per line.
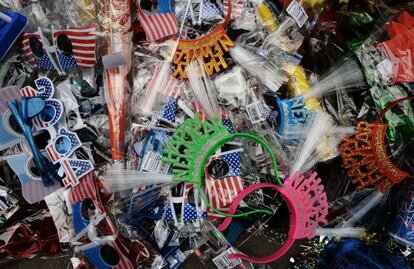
[
  {"x": 195, "y": 141},
  {"x": 192, "y": 143}
]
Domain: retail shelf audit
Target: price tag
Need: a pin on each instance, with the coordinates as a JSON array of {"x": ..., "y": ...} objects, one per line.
[
  {"x": 152, "y": 163},
  {"x": 296, "y": 11},
  {"x": 257, "y": 112},
  {"x": 223, "y": 262}
]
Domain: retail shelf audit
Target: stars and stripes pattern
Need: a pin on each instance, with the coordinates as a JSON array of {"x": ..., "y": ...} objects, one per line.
[
  {"x": 222, "y": 192},
  {"x": 43, "y": 83},
  {"x": 228, "y": 124},
  {"x": 158, "y": 25},
  {"x": 47, "y": 85},
  {"x": 210, "y": 11},
  {"x": 74, "y": 170},
  {"x": 227, "y": 7},
  {"x": 43, "y": 61},
  {"x": 8, "y": 94},
  {"x": 83, "y": 41},
  {"x": 85, "y": 189},
  {"x": 28, "y": 91},
  {"x": 236, "y": 8},
  {"x": 170, "y": 88},
  {"x": 188, "y": 211},
  {"x": 40, "y": 124},
  {"x": 75, "y": 143},
  {"x": 170, "y": 109}
]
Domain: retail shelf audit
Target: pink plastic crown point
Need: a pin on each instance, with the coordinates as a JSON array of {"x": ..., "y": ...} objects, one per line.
[{"x": 311, "y": 200}]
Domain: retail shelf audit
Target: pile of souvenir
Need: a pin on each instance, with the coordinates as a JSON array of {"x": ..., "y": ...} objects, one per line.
[{"x": 207, "y": 134}]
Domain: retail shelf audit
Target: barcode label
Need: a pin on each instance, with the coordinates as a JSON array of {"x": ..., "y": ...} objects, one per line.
[
  {"x": 257, "y": 112},
  {"x": 223, "y": 262},
  {"x": 385, "y": 69},
  {"x": 296, "y": 11},
  {"x": 152, "y": 163}
]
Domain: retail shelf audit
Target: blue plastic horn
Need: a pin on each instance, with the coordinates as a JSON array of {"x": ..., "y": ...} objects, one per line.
[{"x": 12, "y": 25}]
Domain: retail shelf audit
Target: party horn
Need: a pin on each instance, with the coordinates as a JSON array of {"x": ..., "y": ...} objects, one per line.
[{"x": 117, "y": 23}]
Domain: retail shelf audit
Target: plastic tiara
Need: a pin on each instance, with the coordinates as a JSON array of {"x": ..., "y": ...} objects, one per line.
[
  {"x": 308, "y": 206},
  {"x": 365, "y": 157},
  {"x": 195, "y": 141}
]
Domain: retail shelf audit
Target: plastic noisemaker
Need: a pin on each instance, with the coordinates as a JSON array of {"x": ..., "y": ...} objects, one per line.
[{"x": 117, "y": 63}]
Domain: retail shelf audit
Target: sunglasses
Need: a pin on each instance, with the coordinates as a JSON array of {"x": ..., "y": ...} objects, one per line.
[
  {"x": 23, "y": 242},
  {"x": 40, "y": 110},
  {"x": 72, "y": 48},
  {"x": 106, "y": 249}
]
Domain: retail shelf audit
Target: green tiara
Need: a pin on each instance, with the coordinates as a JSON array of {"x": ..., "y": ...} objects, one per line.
[{"x": 195, "y": 141}]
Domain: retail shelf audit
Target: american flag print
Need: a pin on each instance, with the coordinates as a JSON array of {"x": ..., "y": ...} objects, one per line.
[
  {"x": 221, "y": 192},
  {"x": 210, "y": 11},
  {"x": 45, "y": 89},
  {"x": 83, "y": 41},
  {"x": 160, "y": 23},
  {"x": 229, "y": 125},
  {"x": 42, "y": 61},
  {"x": 170, "y": 109},
  {"x": 54, "y": 104},
  {"x": 227, "y": 7},
  {"x": 85, "y": 189},
  {"x": 28, "y": 91},
  {"x": 188, "y": 212},
  {"x": 75, "y": 143},
  {"x": 170, "y": 88},
  {"x": 75, "y": 169}
]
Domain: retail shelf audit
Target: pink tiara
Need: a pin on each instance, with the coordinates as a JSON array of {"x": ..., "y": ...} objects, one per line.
[{"x": 308, "y": 206}]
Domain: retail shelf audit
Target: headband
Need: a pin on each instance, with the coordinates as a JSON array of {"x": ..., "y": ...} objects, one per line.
[
  {"x": 308, "y": 206},
  {"x": 192, "y": 145},
  {"x": 365, "y": 158},
  {"x": 209, "y": 49}
]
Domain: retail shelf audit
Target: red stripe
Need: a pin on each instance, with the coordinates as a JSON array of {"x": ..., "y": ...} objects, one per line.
[
  {"x": 153, "y": 22},
  {"x": 84, "y": 54},
  {"x": 74, "y": 33},
  {"x": 89, "y": 188},
  {"x": 83, "y": 48},
  {"x": 80, "y": 41},
  {"x": 52, "y": 153},
  {"x": 150, "y": 35},
  {"x": 231, "y": 191},
  {"x": 69, "y": 170},
  {"x": 85, "y": 62}
]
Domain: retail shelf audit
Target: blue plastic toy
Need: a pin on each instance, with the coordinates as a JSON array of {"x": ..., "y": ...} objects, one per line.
[{"x": 12, "y": 25}]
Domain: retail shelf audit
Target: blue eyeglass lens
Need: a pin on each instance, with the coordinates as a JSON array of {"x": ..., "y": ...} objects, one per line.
[
  {"x": 62, "y": 144},
  {"x": 48, "y": 113}
]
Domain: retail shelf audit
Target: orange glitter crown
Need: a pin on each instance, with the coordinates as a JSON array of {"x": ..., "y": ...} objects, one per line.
[{"x": 365, "y": 157}]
